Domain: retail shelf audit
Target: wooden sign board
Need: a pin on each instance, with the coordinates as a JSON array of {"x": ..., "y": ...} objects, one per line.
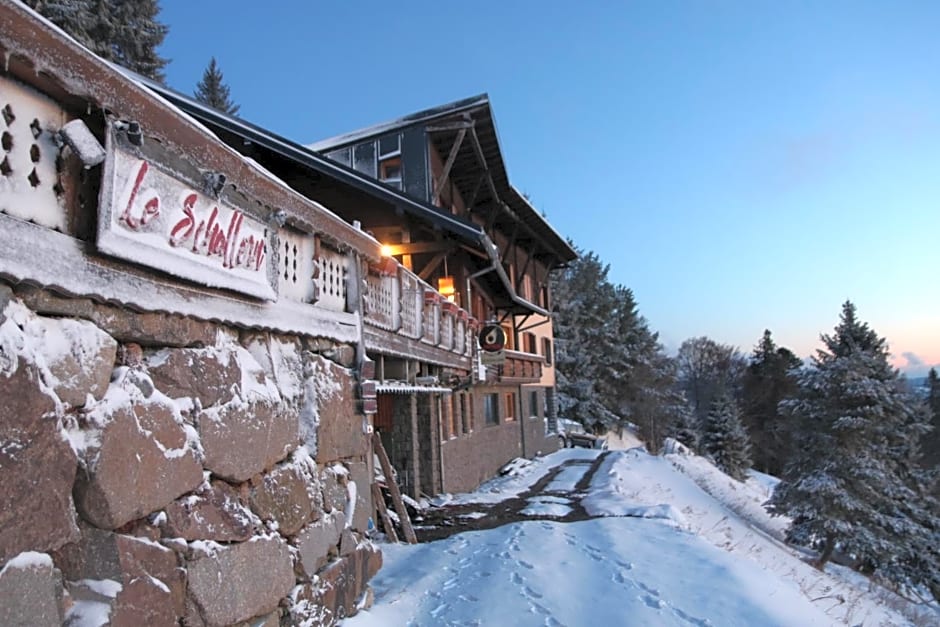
[{"x": 148, "y": 214}]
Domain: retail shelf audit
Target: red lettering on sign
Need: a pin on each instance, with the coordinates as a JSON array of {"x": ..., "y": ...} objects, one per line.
[
  {"x": 151, "y": 208},
  {"x": 212, "y": 239},
  {"x": 188, "y": 222}
]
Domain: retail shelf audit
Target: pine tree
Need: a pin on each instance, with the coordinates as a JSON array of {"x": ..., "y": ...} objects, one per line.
[
  {"x": 584, "y": 303},
  {"x": 930, "y": 443},
  {"x": 75, "y": 17},
  {"x": 706, "y": 369},
  {"x": 685, "y": 427},
  {"x": 213, "y": 91},
  {"x": 126, "y": 32},
  {"x": 610, "y": 367},
  {"x": 724, "y": 438},
  {"x": 855, "y": 486},
  {"x": 771, "y": 376}
]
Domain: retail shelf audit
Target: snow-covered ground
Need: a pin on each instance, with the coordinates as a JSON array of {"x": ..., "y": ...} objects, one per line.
[{"x": 675, "y": 542}]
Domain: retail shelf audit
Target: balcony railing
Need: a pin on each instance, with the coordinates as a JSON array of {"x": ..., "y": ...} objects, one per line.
[
  {"x": 402, "y": 303},
  {"x": 521, "y": 367}
]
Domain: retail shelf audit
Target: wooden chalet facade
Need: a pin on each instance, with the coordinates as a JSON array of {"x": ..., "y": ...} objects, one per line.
[
  {"x": 449, "y": 157},
  {"x": 433, "y": 190}
]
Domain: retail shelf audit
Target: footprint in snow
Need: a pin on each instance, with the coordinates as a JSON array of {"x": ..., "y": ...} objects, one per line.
[
  {"x": 551, "y": 621},
  {"x": 525, "y": 564},
  {"x": 532, "y": 594},
  {"x": 541, "y": 609},
  {"x": 517, "y": 579},
  {"x": 698, "y": 622},
  {"x": 652, "y": 602},
  {"x": 440, "y": 609},
  {"x": 652, "y": 591}
]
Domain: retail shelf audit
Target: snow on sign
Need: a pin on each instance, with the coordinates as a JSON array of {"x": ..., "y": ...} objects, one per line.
[{"x": 156, "y": 219}]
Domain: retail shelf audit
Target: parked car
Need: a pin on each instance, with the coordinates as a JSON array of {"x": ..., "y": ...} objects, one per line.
[{"x": 572, "y": 434}]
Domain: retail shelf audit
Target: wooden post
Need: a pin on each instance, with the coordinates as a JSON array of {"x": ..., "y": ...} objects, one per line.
[
  {"x": 383, "y": 513},
  {"x": 397, "y": 501}
]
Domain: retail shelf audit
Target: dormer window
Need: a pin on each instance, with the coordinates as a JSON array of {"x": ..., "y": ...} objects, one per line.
[{"x": 390, "y": 160}]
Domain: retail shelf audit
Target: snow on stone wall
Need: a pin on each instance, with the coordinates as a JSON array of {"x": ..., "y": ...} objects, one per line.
[{"x": 212, "y": 483}]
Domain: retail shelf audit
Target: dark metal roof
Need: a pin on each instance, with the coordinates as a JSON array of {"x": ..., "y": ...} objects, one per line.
[
  {"x": 463, "y": 229},
  {"x": 455, "y": 225},
  {"x": 470, "y": 166}
]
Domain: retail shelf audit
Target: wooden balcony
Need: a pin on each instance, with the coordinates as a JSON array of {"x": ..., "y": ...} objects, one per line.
[
  {"x": 520, "y": 368},
  {"x": 406, "y": 316}
]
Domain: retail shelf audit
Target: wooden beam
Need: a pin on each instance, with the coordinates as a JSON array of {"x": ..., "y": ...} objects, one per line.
[
  {"x": 397, "y": 501},
  {"x": 421, "y": 247},
  {"x": 379, "y": 499},
  {"x": 455, "y": 125},
  {"x": 478, "y": 150},
  {"x": 476, "y": 192},
  {"x": 447, "y": 166},
  {"x": 431, "y": 266}
]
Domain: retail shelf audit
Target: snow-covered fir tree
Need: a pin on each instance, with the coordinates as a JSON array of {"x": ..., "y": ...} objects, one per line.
[
  {"x": 75, "y": 17},
  {"x": 930, "y": 443},
  {"x": 583, "y": 305},
  {"x": 610, "y": 367},
  {"x": 126, "y": 32},
  {"x": 724, "y": 438},
  {"x": 213, "y": 91},
  {"x": 771, "y": 376},
  {"x": 855, "y": 487},
  {"x": 685, "y": 427}
]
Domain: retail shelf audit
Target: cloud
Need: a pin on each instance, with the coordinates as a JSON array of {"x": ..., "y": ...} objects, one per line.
[{"x": 913, "y": 361}]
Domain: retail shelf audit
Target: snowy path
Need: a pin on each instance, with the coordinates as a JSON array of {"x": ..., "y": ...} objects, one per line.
[{"x": 661, "y": 552}]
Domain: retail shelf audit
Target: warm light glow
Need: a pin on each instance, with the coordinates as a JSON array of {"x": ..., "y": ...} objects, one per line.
[
  {"x": 445, "y": 285},
  {"x": 386, "y": 250}
]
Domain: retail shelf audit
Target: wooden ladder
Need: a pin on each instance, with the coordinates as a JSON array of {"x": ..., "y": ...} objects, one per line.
[{"x": 397, "y": 501}]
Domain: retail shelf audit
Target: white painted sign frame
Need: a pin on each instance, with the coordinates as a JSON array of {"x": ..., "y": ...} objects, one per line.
[{"x": 152, "y": 217}]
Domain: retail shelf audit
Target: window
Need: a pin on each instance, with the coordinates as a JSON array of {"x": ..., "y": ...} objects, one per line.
[
  {"x": 491, "y": 409},
  {"x": 510, "y": 399},
  {"x": 527, "y": 286},
  {"x": 534, "y": 404},
  {"x": 530, "y": 343},
  {"x": 390, "y": 160},
  {"x": 340, "y": 156},
  {"x": 447, "y": 418},
  {"x": 547, "y": 350},
  {"x": 453, "y": 408},
  {"x": 390, "y": 172},
  {"x": 466, "y": 413}
]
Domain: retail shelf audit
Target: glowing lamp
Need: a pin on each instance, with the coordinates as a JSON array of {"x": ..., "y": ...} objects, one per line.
[
  {"x": 386, "y": 250},
  {"x": 445, "y": 285}
]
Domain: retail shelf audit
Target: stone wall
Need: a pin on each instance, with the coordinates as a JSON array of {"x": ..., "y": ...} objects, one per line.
[
  {"x": 162, "y": 470},
  {"x": 465, "y": 467}
]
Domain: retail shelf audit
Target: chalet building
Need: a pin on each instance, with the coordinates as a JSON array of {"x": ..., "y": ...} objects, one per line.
[
  {"x": 208, "y": 331},
  {"x": 449, "y": 157},
  {"x": 462, "y": 248}
]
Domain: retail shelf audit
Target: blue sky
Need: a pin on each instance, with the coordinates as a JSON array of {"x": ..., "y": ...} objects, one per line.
[{"x": 740, "y": 165}]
